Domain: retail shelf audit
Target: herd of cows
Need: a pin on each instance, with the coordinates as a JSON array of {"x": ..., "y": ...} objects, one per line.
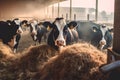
[
  {"x": 57, "y": 33},
  {"x": 75, "y": 62}
]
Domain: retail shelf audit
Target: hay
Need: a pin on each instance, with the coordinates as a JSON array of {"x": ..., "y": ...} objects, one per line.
[
  {"x": 75, "y": 62},
  {"x": 7, "y": 58},
  {"x": 5, "y": 51},
  {"x": 36, "y": 55},
  {"x": 23, "y": 66}
]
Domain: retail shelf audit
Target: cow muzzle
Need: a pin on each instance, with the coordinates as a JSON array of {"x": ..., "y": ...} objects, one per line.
[
  {"x": 60, "y": 43},
  {"x": 33, "y": 33},
  {"x": 102, "y": 42}
]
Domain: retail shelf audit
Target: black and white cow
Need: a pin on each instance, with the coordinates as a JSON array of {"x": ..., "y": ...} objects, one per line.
[
  {"x": 10, "y": 33},
  {"x": 61, "y": 33},
  {"x": 16, "y": 24},
  {"x": 96, "y": 34},
  {"x": 39, "y": 30}
]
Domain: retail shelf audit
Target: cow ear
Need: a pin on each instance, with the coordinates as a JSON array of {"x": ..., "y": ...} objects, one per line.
[
  {"x": 94, "y": 29},
  {"x": 111, "y": 30}
]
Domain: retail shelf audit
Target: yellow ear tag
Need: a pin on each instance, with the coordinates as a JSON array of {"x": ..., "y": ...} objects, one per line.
[
  {"x": 94, "y": 30},
  {"x": 48, "y": 28}
]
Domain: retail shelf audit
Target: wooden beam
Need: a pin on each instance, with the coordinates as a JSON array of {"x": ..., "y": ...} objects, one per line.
[{"x": 116, "y": 39}]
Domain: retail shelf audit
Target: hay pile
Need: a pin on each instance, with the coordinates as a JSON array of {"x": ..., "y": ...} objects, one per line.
[
  {"x": 6, "y": 60},
  {"x": 24, "y": 65},
  {"x": 76, "y": 62}
]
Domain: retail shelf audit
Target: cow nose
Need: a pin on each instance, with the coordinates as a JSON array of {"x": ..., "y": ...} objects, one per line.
[
  {"x": 102, "y": 42},
  {"x": 60, "y": 43}
]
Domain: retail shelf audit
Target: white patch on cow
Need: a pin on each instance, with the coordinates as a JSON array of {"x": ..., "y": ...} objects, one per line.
[
  {"x": 35, "y": 37},
  {"x": 60, "y": 25},
  {"x": 14, "y": 50},
  {"x": 20, "y": 30},
  {"x": 15, "y": 40},
  {"x": 17, "y": 22},
  {"x": 40, "y": 26},
  {"x": 79, "y": 68},
  {"x": 34, "y": 30},
  {"x": 103, "y": 41}
]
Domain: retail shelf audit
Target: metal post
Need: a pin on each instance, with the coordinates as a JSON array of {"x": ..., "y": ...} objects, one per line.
[
  {"x": 70, "y": 10},
  {"x": 66, "y": 16},
  {"x": 96, "y": 12},
  {"x": 88, "y": 17},
  {"x": 44, "y": 12},
  {"x": 47, "y": 11},
  {"x": 53, "y": 11},
  {"x": 58, "y": 9},
  {"x": 75, "y": 17},
  {"x": 0, "y": 14},
  {"x": 116, "y": 39}
]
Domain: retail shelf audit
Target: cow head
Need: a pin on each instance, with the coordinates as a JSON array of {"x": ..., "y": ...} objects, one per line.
[
  {"x": 59, "y": 32},
  {"x": 101, "y": 36},
  {"x": 102, "y": 42},
  {"x": 33, "y": 29},
  {"x": 18, "y": 24}
]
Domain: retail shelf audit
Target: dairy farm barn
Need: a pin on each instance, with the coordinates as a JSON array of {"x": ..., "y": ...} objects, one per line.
[{"x": 43, "y": 41}]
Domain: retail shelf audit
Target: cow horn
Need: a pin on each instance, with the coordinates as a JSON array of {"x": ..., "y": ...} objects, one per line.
[{"x": 109, "y": 67}]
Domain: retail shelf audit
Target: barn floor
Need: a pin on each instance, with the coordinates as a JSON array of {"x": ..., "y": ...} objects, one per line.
[{"x": 25, "y": 41}]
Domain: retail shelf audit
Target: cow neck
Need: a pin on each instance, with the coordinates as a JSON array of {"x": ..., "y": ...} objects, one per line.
[{"x": 70, "y": 33}]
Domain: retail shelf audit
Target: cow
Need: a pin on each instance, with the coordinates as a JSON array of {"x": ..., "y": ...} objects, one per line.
[
  {"x": 7, "y": 32},
  {"x": 61, "y": 33},
  {"x": 39, "y": 30},
  {"x": 72, "y": 27},
  {"x": 96, "y": 34},
  {"x": 10, "y": 33}
]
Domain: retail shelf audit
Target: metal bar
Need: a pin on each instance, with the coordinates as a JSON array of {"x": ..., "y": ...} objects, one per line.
[
  {"x": 96, "y": 11},
  {"x": 70, "y": 10},
  {"x": 53, "y": 11},
  {"x": 47, "y": 11},
  {"x": 58, "y": 9},
  {"x": 116, "y": 39}
]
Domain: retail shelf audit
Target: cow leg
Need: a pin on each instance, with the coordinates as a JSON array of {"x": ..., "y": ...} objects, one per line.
[{"x": 39, "y": 40}]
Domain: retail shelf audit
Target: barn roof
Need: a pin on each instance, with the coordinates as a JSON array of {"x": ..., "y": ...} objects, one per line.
[
  {"x": 13, "y": 7},
  {"x": 40, "y": 2}
]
